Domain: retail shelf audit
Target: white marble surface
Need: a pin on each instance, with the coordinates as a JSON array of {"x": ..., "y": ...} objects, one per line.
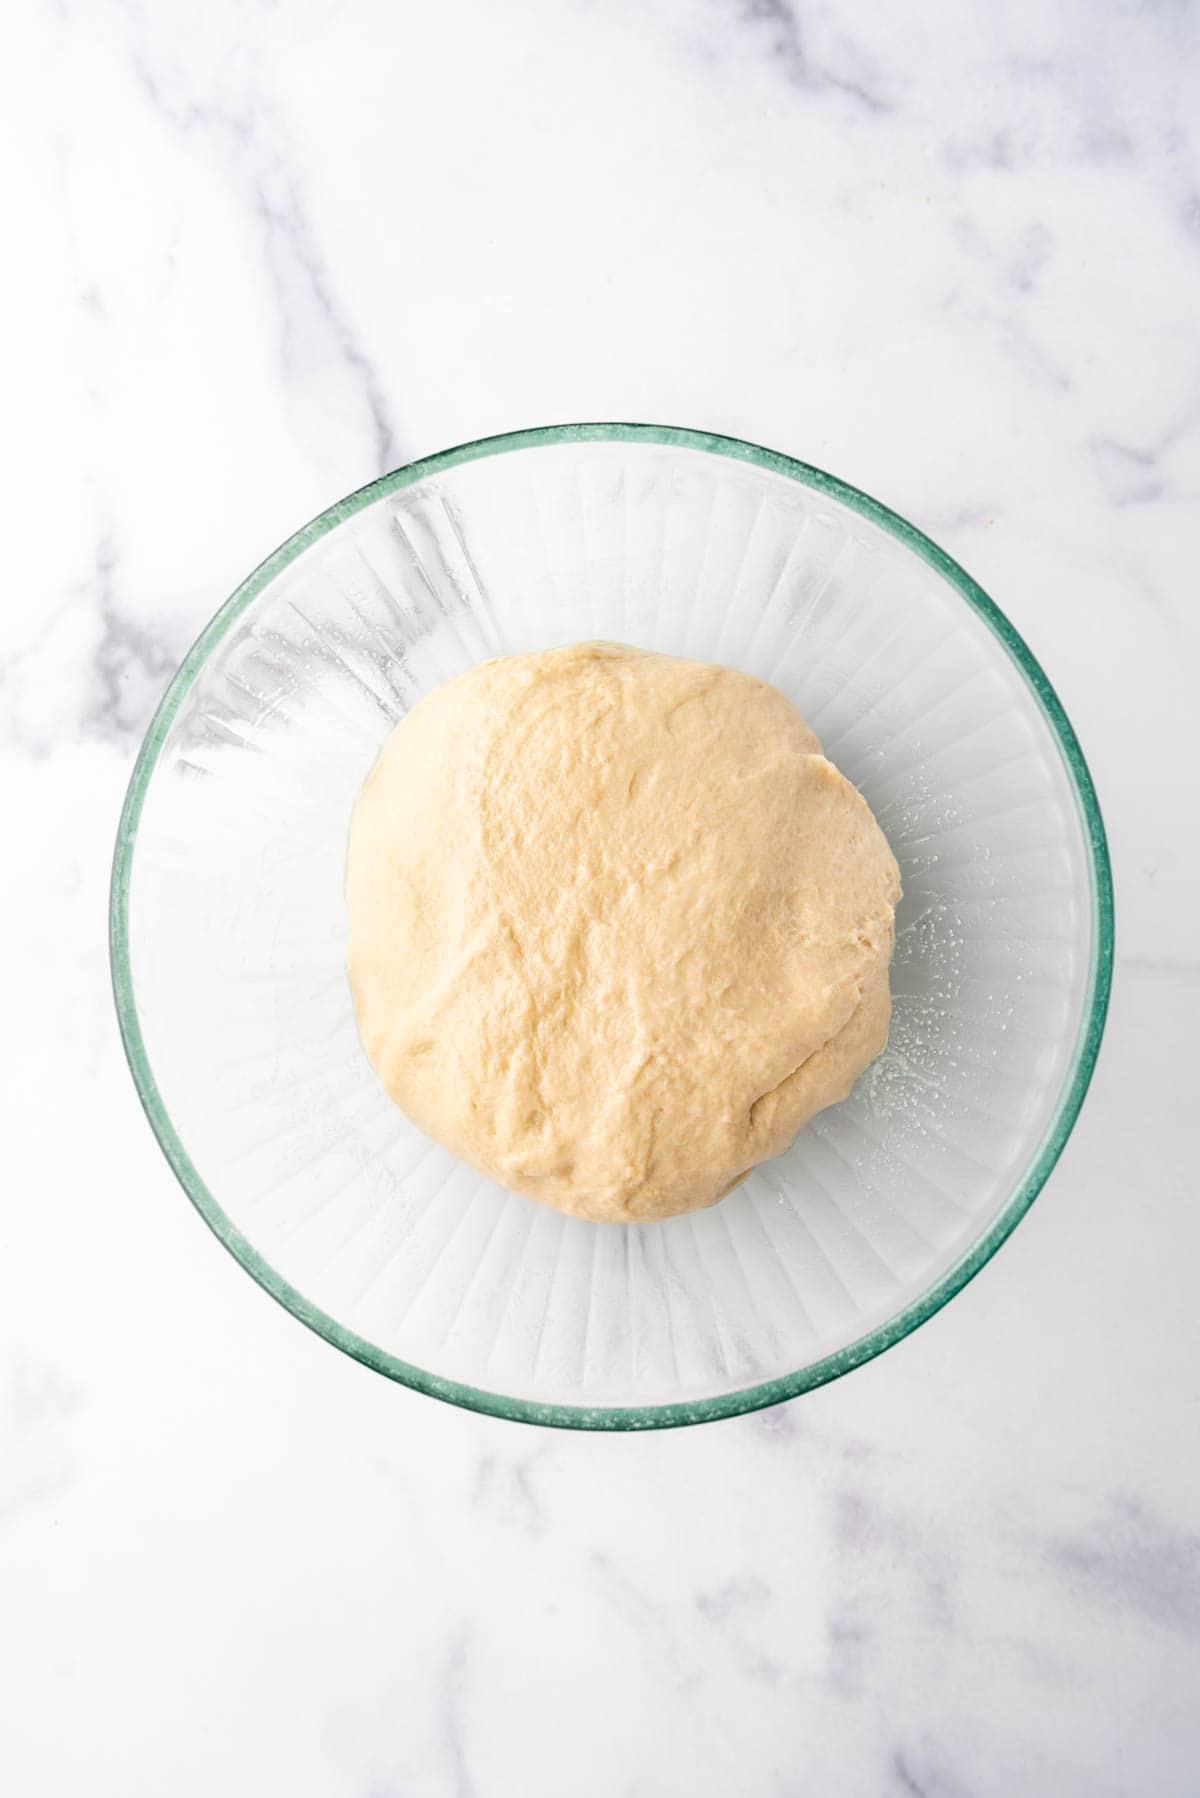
[{"x": 265, "y": 251}]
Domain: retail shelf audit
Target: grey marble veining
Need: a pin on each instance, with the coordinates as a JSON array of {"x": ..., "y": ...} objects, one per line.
[{"x": 267, "y": 252}]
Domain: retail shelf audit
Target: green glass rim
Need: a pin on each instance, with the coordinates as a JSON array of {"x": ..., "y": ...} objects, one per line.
[{"x": 843, "y": 1360}]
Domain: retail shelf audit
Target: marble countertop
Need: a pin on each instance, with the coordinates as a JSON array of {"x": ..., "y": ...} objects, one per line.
[{"x": 266, "y": 252}]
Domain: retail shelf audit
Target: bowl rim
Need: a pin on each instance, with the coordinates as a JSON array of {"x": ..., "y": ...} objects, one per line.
[{"x": 884, "y": 1335}]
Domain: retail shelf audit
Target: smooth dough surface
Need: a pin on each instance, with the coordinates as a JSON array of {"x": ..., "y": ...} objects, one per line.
[{"x": 617, "y": 927}]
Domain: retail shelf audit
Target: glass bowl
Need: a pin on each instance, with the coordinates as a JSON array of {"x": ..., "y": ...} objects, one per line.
[{"x": 228, "y": 926}]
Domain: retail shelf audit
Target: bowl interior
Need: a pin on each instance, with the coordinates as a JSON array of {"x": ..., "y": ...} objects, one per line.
[{"x": 230, "y": 960}]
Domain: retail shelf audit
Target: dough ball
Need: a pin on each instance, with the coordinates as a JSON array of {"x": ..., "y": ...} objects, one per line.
[{"x": 617, "y": 927}]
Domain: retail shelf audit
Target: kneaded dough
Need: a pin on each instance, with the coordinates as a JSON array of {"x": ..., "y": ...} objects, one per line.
[{"x": 617, "y": 927}]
